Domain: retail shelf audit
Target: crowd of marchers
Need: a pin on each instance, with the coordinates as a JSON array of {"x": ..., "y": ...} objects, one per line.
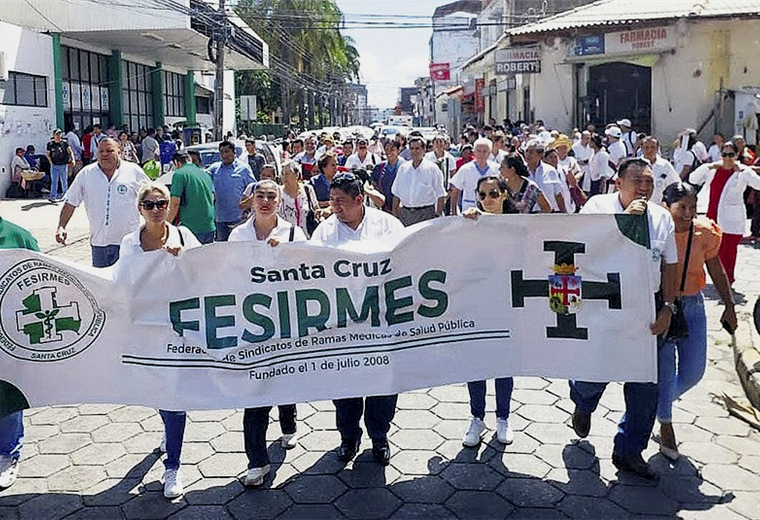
[{"x": 331, "y": 189}]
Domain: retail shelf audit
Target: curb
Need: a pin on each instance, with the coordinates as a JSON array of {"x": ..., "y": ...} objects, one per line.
[{"x": 747, "y": 357}]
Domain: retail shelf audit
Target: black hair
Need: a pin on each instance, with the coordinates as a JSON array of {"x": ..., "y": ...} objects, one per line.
[
  {"x": 516, "y": 163},
  {"x": 227, "y": 144},
  {"x": 417, "y": 139},
  {"x": 678, "y": 191},
  {"x": 322, "y": 162},
  {"x": 627, "y": 162},
  {"x": 393, "y": 144},
  {"x": 598, "y": 140},
  {"x": 507, "y": 206},
  {"x": 348, "y": 183},
  {"x": 732, "y": 144}
]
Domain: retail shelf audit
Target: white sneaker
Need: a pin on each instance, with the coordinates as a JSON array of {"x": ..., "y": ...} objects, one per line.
[
  {"x": 172, "y": 484},
  {"x": 162, "y": 446},
  {"x": 504, "y": 433},
  {"x": 474, "y": 433},
  {"x": 8, "y": 471},
  {"x": 289, "y": 440},
  {"x": 255, "y": 476}
]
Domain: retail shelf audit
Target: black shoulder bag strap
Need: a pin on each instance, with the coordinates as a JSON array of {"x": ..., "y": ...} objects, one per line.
[
  {"x": 686, "y": 258},
  {"x": 292, "y": 233}
]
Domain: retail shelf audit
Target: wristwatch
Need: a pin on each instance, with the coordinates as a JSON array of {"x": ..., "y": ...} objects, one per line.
[{"x": 670, "y": 306}]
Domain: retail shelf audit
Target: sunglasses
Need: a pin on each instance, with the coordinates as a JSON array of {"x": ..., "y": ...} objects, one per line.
[
  {"x": 728, "y": 154},
  {"x": 148, "y": 205},
  {"x": 494, "y": 194}
]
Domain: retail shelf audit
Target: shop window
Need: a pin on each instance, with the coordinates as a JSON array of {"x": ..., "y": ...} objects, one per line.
[{"x": 26, "y": 90}]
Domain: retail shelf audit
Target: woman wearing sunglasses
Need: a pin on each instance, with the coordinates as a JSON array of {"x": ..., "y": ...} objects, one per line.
[
  {"x": 722, "y": 199},
  {"x": 700, "y": 239},
  {"x": 493, "y": 198},
  {"x": 155, "y": 234},
  {"x": 524, "y": 194},
  {"x": 266, "y": 226}
]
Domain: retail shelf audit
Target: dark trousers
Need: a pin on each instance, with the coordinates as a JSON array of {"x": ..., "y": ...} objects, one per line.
[
  {"x": 255, "y": 424},
  {"x": 378, "y": 414},
  {"x": 411, "y": 216}
]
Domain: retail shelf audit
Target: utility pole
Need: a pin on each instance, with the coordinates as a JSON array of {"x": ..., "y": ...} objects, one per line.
[{"x": 220, "y": 34}]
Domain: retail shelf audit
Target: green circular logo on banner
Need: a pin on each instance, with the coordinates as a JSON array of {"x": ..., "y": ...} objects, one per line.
[{"x": 47, "y": 314}]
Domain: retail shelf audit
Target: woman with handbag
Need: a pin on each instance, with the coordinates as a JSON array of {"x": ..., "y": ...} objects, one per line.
[{"x": 683, "y": 355}]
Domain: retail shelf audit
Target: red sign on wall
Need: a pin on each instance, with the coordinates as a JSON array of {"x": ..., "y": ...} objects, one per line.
[
  {"x": 440, "y": 72},
  {"x": 480, "y": 102}
]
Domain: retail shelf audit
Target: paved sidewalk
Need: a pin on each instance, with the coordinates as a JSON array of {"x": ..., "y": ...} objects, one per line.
[{"x": 97, "y": 461}]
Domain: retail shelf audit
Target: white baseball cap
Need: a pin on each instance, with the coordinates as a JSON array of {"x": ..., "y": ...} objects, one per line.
[
  {"x": 625, "y": 122},
  {"x": 613, "y": 131}
]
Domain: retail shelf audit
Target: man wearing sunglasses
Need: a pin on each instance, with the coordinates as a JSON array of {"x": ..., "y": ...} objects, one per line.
[
  {"x": 108, "y": 189},
  {"x": 352, "y": 221}
]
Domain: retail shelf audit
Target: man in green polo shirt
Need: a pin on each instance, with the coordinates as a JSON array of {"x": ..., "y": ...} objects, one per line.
[
  {"x": 12, "y": 425},
  {"x": 192, "y": 193}
]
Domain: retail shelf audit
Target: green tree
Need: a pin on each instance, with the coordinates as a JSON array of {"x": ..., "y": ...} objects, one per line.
[{"x": 309, "y": 57}]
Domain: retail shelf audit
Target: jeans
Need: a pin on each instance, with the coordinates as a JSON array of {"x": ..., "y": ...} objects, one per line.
[
  {"x": 206, "y": 238},
  {"x": 675, "y": 379},
  {"x": 378, "y": 415},
  {"x": 640, "y": 410},
  {"x": 104, "y": 256},
  {"x": 255, "y": 424},
  {"x": 174, "y": 426},
  {"x": 58, "y": 173},
  {"x": 477, "y": 390},
  {"x": 223, "y": 230},
  {"x": 12, "y": 435}
]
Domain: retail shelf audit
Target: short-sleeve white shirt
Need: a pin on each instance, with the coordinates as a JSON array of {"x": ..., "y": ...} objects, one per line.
[
  {"x": 418, "y": 187},
  {"x": 245, "y": 232},
  {"x": 354, "y": 161},
  {"x": 617, "y": 152},
  {"x": 549, "y": 181},
  {"x": 664, "y": 175},
  {"x": 111, "y": 204},
  {"x": 466, "y": 180},
  {"x": 179, "y": 236},
  {"x": 375, "y": 224},
  {"x": 662, "y": 230}
]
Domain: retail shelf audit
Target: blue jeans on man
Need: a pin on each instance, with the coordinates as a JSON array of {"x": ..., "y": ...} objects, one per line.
[
  {"x": 11, "y": 435},
  {"x": 206, "y": 238},
  {"x": 105, "y": 256},
  {"x": 223, "y": 230},
  {"x": 640, "y": 410},
  {"x": 58, "y": 172}
]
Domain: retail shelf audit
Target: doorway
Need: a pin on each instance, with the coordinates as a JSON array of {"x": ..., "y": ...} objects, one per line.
[{"x": 619, "y": 90}]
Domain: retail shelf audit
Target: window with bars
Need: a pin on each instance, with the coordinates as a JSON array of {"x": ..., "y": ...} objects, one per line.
[
  {"x": 174, "y": 94},
  {"x": 85, "y": 87},
  {"x": 137, "y": 95},
  {"x": 26, "y": 90}
]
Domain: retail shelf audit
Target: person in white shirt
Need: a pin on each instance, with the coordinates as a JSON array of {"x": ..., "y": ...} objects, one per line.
[
  {"x": 551, "y": 157},
  {"x": 629, "y": 138},
  {"x": 418, "y": 189},
  {"x": 497, "y": 151},
  {"x": 266, "y": 226},
  {"x": 716, "y": 148},
  {"x": 582, "y": 151},
  {"x": 635, "y": 184},
  {"x": 545, "y": 176},
  {"x": 351, "y": 221},
  {"x": 362, "y": 158},
  {"x": 156, "y": 234},
  {"x": 445, "y": 161},
  {"x": 108, "y": 189},
  {"x": 663, "y": 172},
  {"x": 308, "y": 157},
  {"x": 76, "y": 148},
  {"x": 465, "y": 181},
  {"x": 599, "y": 170},
  {"x": 616, "y": 148}
]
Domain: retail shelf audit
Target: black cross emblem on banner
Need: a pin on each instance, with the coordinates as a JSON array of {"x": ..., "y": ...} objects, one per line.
[{"x": 564, "y": 254}]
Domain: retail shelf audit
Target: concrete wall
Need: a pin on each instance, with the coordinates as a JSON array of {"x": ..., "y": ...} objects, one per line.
[{"x": 31, "y": 53}]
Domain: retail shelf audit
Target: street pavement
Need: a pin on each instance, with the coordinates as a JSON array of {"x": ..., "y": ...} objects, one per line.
[{"x": 100, "y": 461}]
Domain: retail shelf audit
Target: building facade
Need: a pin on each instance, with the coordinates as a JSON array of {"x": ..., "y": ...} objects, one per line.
[{"x": 111, "y": 64}]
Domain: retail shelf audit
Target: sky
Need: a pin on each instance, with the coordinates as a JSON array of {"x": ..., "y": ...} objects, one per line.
[{"x": 391, "y": 58}]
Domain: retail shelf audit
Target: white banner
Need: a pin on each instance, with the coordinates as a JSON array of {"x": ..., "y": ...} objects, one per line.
[{"x": 233, "y": 325}]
